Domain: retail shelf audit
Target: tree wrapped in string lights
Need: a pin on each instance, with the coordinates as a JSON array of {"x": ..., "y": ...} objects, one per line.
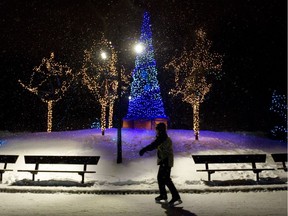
[
  {"x": 50, "y": 80},
  {"x": 99, "y": 74},
  {"x": 192, "y": 71},
  {"x": 145, "y": 103}
]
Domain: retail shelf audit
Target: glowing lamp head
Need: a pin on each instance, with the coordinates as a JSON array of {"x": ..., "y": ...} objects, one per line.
[
  {"x": 103, "y": 55},
  {"x": 139, "y": 48}
]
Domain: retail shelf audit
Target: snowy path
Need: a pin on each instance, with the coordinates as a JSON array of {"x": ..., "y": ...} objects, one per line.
[{"x": 210, "y": 204}]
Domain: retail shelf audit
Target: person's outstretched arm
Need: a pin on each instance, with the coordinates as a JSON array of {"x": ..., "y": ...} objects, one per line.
[{"x": 153, "y": 145}]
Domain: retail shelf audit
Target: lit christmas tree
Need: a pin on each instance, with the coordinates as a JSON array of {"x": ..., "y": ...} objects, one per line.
[{"x": 145, "y": 104}]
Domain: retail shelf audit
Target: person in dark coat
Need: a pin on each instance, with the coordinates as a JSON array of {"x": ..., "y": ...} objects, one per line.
[{"x": 165, "y": 160}]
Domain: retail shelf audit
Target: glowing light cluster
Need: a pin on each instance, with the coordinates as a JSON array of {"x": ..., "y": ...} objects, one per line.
[
  {"x": 145, "y": 100},
  {"x": 49, "y": 116},
  {"x": 139, "y": 48},
  {"x": 100, "y": 75},
  {"x": 192, "y": 69},
  {"x": 279, "y": 107},
  {"x": 49, "y": 81}
]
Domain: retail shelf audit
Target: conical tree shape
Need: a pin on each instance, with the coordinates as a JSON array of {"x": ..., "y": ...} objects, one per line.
[{"x": 145, "y": 99}]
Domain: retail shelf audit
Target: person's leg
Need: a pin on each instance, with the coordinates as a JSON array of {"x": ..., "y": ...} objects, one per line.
[
  {"x": 170, "y": 184},
  {"x": 176, "y": 200},
  {"x": 161, "y": 178}
]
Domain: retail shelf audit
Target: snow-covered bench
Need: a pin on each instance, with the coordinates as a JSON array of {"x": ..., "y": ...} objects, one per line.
[
  {"x": 232, "y": 158},
  {"x": 280, "y": 157},
  {"x": 5, "y": 159},
  {"x": 68, "y": 160}
]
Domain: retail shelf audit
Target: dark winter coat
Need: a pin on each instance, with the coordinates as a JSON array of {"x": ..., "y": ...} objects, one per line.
[{"x": 164, "y": 147}]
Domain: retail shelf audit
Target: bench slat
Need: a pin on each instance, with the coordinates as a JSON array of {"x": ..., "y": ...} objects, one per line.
[
  {"x": 8, "y": 158},
  {"x": 61, "y": 159},
  {"x": 247, "y": 158},
  {"x": 279, "y": 157},
  {"x": 4, "y": 170},
  {"x": 215, "y": 170},
  {"x": 62, "y": 171}
]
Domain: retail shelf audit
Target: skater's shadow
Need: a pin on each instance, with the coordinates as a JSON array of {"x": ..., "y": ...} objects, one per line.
[{"x": 176, "y": 211}]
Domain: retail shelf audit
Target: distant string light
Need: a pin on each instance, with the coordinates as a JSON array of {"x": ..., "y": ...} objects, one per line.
[
  {"x": 49, "y": 81},
  {"x": 191, "y": 70},
  {"x": 279, "y": 107}
]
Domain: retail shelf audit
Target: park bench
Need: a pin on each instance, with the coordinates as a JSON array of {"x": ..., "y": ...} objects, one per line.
[
  {"x": 67, "y": 160},
  {"x": 5, "y": 159},
  {"x": 233, "y": 158},
  {"x": 280, "y": 157}
]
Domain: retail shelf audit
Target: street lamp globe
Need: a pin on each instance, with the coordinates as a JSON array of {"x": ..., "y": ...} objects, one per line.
[
  {"x": 139, "y": 48},
  {"x": 103, "y": 55}
]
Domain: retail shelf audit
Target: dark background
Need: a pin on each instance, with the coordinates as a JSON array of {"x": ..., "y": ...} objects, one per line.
[{"x": 251, "y": 34}]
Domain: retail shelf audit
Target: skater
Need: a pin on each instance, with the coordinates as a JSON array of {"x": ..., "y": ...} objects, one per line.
[{"x": 165, "y": 159}]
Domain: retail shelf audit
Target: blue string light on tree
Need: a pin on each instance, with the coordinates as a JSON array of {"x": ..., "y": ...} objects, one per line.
[
  {"x": 145, "y": 103},
  {"x": 279, "y": 107}
]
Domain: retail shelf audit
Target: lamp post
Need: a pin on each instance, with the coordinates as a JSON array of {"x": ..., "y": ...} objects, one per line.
[
  {"x": 104, "y": 56},
  {"x": 138, "y": 48},
  {"x": 119, "y": 128}
]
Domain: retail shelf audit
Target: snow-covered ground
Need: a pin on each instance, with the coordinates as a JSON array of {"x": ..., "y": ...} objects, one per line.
[
  {"x": 136, "y": 172},
  {"x": 136, "y": 176}
]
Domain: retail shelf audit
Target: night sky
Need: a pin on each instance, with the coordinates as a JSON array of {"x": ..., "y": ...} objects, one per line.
[{"x": 251, "y": 34}]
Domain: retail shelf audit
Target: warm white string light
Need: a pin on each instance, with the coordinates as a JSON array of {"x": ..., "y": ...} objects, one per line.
[
  {"x": 100, "y": 76},
  {"x": 50, "y": 80},
  {"x": 191, "y": 70},
  {"x": 49, "y": 116}
]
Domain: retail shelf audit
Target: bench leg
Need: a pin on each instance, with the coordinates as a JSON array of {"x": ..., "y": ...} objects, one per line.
[
  {"x": 1, "y": 177},
  {"x": 257, "y": 176},
  {"x": 82, "y": 177},
  {"x": 209, "y": 175},
  {"x": 284, "y": 166}
]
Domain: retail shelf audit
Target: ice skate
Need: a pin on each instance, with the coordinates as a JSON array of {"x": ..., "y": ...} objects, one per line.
[
  {"x": 175, "y": 202},
  {"x": 161, "y": 199}
]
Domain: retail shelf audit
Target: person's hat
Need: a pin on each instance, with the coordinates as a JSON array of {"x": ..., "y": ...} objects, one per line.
[{"x": 161, "y": 127}]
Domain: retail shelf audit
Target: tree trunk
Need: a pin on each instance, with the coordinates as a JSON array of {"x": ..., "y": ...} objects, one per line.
[
  {"x": 110, "y": 119},
  {"x": 196, "y": 107},
  {"x": 103, "y": 117},
  {"x": 49, "y": 116}
]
